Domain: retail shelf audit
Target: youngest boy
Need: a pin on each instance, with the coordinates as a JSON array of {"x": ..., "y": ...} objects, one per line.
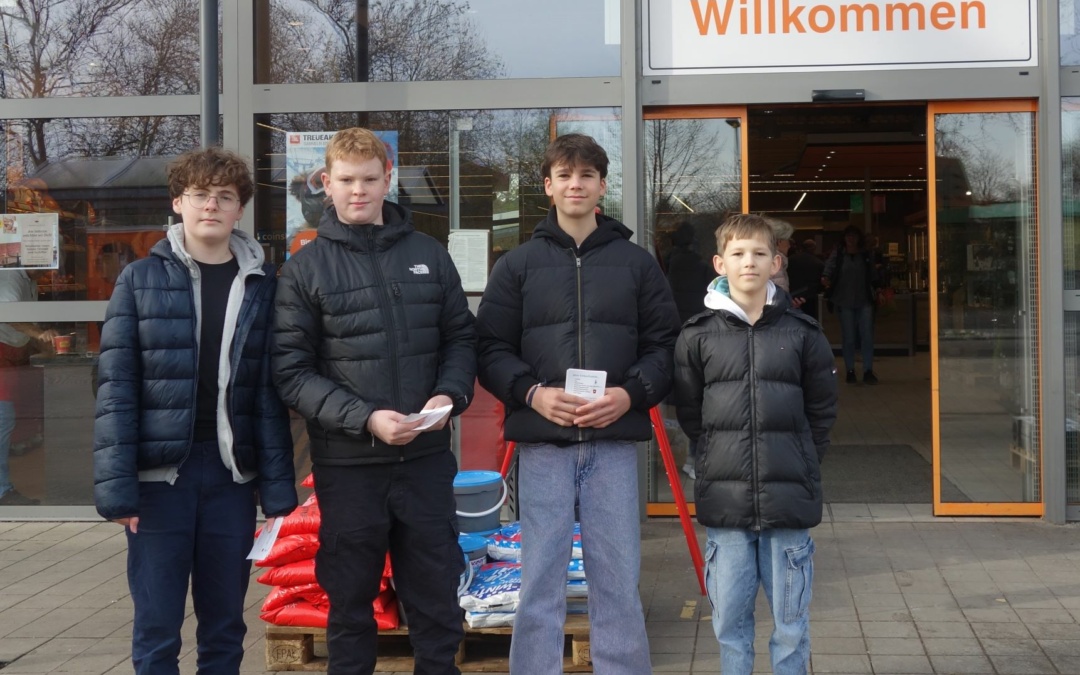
[{"x": 755, "y": 381}]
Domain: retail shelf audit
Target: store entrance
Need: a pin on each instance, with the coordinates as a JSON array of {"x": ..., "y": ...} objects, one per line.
[{"x": 943, "y": 196}]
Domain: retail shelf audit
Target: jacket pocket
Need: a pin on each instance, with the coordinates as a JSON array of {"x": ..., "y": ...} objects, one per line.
[{"x": 799, "y": 577}]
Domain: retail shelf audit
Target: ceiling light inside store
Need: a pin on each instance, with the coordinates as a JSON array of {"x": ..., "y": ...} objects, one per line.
[
  {"x": 799, "y": 203},
  {"x": 296, "y": 24}
]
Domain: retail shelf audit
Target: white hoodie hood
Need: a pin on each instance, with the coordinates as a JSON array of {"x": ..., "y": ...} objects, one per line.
[{"x": 718, "y": 296}]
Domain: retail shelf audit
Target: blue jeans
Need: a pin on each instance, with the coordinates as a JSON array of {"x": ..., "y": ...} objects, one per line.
[
  {"x": 736, "y": 562},
  {"x": 200, "y": 528},
  {"x": 602, "y": 476},
  {"x": 857, "y": 328},
  {"x": 7, "y": 428}
]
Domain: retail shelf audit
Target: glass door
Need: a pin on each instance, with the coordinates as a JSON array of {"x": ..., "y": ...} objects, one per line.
[
  {"x": 984, "y": 311},
  {"x": 694, "y": 163}
]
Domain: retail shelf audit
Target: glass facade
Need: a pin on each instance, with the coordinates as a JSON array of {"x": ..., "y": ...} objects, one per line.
[
  {"x": 1070, "y": 187},
  {"x": 297, "y": 41}
]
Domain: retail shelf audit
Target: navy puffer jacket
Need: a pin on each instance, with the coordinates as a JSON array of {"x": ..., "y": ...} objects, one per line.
[
  {"x": 551, "y": 305},
  {"x": 147, "y": 382},
  {"x": 761, "y": 401}
]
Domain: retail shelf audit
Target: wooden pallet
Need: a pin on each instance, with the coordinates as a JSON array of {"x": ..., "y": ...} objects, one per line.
[{"x": 484, "y": 650}]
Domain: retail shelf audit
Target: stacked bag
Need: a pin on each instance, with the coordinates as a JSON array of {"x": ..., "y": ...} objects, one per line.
[
  {"x": 296, "y": 598},
  {"x": 492, "y": 598}
]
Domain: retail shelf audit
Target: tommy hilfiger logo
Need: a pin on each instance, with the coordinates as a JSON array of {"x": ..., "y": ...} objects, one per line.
[{"x": 419, "y": 269}]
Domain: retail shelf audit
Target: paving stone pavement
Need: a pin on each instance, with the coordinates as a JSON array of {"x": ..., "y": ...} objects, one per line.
[{"x": 896, "y": 592}]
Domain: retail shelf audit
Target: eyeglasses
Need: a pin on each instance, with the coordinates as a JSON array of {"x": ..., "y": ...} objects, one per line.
[{"x": 225, "y": 202}]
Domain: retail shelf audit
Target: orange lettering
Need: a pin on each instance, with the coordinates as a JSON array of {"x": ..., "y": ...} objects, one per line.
[
  {"x": 859, "y": 12},
  {"x": 905, "y": 10},
  {"x": 966, "y": 7},
  {"x": 830, "y": 19},
  {"x": 791, "y": 18},
  {"x": 942, "y": 15},
  {"x": 712, "y": 15}
]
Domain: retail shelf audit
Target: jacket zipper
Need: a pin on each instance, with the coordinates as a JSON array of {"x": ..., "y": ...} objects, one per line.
[
  {"x": 391, "y": 330},
  {"x": 581, "y": 327},
  {"x": 243, "y": 329},
  {"x": 194, "y": 380},
  {"x": 753, "y": 434}
]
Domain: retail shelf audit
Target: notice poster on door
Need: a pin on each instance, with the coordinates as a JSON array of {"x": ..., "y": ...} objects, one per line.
[
  {"x": 305, "y": 162},
  {"x": 30, "y": 241}
]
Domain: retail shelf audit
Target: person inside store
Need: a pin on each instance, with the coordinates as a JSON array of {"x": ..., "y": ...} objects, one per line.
[
  {"x": 687, "y": 273},
  {"x": 17, "y": 342},
  {"x": 755, "y": 383},
  {"x": 782, "y": 231},
  {"x": 372, "y": 325},
  {"x": 804, "y": 276},
  {"x": 578, "y": 295},
  {"x": 850, "y": 279},
  {"x": 189, "y": 429}
]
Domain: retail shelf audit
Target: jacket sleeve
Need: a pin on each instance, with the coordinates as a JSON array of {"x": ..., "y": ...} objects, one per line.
[
  {"x": 457, "y": 341},
  {"x": 273, "y": 437},
  {"x": 498, "y": 325},
  {"x": 689, "y": 385},
  {"x": 819, "y": 388},
  {"x": 116, "y": 415},
  {"x": 294, "y": 355},
  {"x": 648, "y": 381}
]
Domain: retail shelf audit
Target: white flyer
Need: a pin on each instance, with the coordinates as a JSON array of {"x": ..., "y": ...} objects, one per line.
[
  {"x": 430, "y": 417},
  {"x": 588, "y": 384},
  {"x": 265, "y": 541}
]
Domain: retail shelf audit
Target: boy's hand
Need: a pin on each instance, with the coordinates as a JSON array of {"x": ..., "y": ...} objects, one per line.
[
  {"x": 386, "y": 425},
  {"x": 438, "y": 401},
  {"x": 131, "y": 523},
  {"x": 555, "y": 405},
  {"x": 604, "y": 410}
]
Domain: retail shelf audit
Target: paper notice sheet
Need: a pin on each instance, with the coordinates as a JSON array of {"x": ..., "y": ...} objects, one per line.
[
  {"x": 588, "y": 384},
  {"x": 430, "y": 417},
  {"x": 265, "y": 541}
]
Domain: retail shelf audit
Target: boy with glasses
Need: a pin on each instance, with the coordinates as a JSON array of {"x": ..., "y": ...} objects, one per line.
[{"x": 189, "y": 428}]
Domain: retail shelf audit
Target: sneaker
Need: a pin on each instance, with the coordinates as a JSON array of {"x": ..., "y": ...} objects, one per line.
[
  {"x": 688, "y": 469},
  {"x": 869, "y": 378},
  {"x": 15, "y": 498},
  {"x": 851, "y": 379}
]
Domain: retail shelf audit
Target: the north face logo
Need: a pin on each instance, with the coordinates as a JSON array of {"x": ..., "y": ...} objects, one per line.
[{"x": 419, "y": 269}]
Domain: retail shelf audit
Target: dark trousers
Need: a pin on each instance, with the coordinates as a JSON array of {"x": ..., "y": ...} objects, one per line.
[
  {"x": 408, "y": 508},
  {"x": 200, "y": 527}
]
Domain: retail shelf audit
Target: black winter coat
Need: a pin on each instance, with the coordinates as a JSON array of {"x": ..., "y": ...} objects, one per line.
[
  {"x": 147, "y": 384},
  {"x": 550, "y": 305},
  {"x": 761, "y": 401},
  {"x": 371, "y": 318}
]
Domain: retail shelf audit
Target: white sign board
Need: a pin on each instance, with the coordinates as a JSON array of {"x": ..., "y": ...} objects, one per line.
[
  {"x": 469, "y": 251},
  {"x": 30, "y": 240},
  {"x": 758, "y": 36}
]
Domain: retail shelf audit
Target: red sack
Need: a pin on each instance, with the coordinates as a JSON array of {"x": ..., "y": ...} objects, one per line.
[
  {"x": 298, "y": 614},
  {"x": 384, "y": 599},
  {"x": 280, "y": 596},
  {"x": 303, "y": 520},
  {"x": 294, "y": 574},
  {"x": 289, "y": 549},
  {"x": 309, "y": 482},
  {"x": 388, "y": 619}
]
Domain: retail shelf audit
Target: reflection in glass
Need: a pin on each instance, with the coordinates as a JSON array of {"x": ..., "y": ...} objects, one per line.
[
  {"x": 298, "y": 41},
  {"x": 498, "y": 163},
  {"x": 105, "y": 179},
  {"x": 987, "y": 307},
  {"x": 99, "y": 48},
  {"x": 1069, "y": 17},
  {"x": 1070, "y": 188},
  {"x": 46, "y": 411},
  {"x": 693, "y": 177}
]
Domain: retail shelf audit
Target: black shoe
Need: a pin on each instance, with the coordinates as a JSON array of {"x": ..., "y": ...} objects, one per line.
[
  {"x": 851, "y": 377},
  {"x": 868, "y": 377},
  {"x": 15, "y": 498}
]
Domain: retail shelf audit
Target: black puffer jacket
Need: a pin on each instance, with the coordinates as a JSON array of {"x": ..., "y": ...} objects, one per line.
[
  {"x": 147, "y": 375},
  {"x": 761, "y": 401},
  {"x": 550, "y": 305},
  {"x": 371, "y": 318}
]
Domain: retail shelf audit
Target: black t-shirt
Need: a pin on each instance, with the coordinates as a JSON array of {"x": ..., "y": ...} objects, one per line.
[{"x": 216, "y": 282}]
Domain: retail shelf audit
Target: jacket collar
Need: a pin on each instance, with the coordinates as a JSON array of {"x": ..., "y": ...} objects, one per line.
[
  {"x": 607, "y": 229},
  {"x": 397, "y": 224},
  {"x": 249, "y": 255},
  {"x": 718, "y": 298}
]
